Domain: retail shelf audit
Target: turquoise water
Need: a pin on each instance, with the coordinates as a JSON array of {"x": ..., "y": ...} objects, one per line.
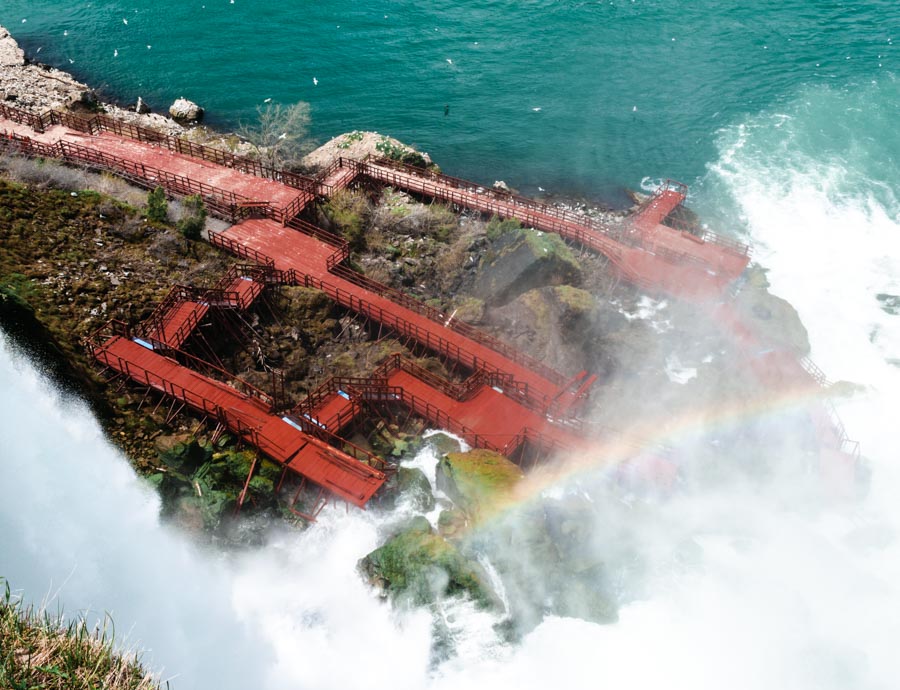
[
  {"x": 783, "y": 117},
  {"x": 575, "y": 97}
]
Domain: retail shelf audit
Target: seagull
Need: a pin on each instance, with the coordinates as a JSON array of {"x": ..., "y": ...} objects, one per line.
[
  {"x": 66, "y": 32},
  {"x": 116, "y": 52},
  {"x": 125, "y": 22},
  {"x": 634, "y": 109},
  {"x": 283, "y": 136},
  {"x": 315, "y": 82},
  {"x": 40, "y": 48},
  {"x": 537, "y": 110},
  {"x": 149, "y": 46},
  {"x": 24, "y": 20},
  {"x": 449, "y": 61},
  {"x": 268, "y": 100}
]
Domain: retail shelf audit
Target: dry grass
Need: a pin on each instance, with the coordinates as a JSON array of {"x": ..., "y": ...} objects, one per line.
[
  {"x": 51, "y": 174},
  {"x": 40, "y": 651}
]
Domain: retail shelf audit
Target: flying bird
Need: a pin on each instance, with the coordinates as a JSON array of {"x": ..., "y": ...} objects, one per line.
[
  {"x": 125, "y": 22},
  {"x": 315, "y": 82},
  {"x": 116, "y": 52}
]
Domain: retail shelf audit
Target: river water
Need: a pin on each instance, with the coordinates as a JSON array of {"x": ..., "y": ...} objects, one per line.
[{"x": 782, "y": 116}]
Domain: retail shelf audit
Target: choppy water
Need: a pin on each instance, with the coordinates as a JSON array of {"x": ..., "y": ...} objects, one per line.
[
  {"x": 572, "y": 96},
  {"x": 784, "y": 116}
]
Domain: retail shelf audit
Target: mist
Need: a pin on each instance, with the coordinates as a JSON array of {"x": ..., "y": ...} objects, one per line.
[{"x": 735, "y": 578}]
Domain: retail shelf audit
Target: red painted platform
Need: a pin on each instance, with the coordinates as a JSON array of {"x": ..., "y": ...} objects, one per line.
[
  {"x": 650, "y": 255},
  {"x": 291, "y": 250},
  {"x": 247, "y": 417}
]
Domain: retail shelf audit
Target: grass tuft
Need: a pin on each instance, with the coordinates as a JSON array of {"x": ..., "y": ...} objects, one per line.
[{"x": 42, "y": 651}]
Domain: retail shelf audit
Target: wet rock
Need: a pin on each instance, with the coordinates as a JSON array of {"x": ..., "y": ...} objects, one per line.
[
  {"x": 184, "y": 110},
  {"x": 443, "y": 444},
  {"x": 418, "y": 567},
  {"x": 772, "y": 317},
  {"x": 502, "y": 186},
  {"x": 477, "y": 481},
  {"x": 408, "y": 484}
]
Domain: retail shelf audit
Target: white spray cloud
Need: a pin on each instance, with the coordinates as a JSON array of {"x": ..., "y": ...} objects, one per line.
[{"x": 742, "y": 588}]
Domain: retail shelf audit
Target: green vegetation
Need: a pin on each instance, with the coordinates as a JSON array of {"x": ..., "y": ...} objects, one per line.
[
  {"x": 43, "y": 652},
  {"x": 478, "y": 480},
  {"x": 348, "y": 211},
  {"x": 418, "y": 566},
  {"x": 193, "y": 222},
  {"x": 497, "y": 227},
  {"x": 400, "y": 153},
  {"x": 157, "y": 207},
  {"x": 350, "y": 139}
]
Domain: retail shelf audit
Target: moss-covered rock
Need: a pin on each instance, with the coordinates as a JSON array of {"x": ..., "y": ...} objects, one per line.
[
  {"x": 182, "y": 452},
  {"x": 443, "y": 444},
  {"x": 522, "y": 260},
  {"x": 418, "y": 567},
  {"x": 477, "y": 480},
  {"x": 452, "y": 523}
]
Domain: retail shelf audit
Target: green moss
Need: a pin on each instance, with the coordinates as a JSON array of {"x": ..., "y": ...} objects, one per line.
[
  {"x": 546, "y": 244},
  {"x": 418, "y": 567},
  {"x": 477, "y": 480},
  {"x": 575, "y": 299}
]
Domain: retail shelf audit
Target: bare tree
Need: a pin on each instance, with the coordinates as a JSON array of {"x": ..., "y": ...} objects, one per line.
[{"x": 280, "y": 133}]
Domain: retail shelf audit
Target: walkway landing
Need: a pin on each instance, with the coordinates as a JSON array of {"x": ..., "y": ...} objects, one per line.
[{"x": 247, "y": 417}]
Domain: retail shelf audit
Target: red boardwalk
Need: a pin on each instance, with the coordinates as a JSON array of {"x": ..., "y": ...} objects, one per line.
[
  {"x": 485, "y": 415},
  {"x": 308, "y": 257},
  {"x": 650, "y": 255},
  {"x": 247, "y": 417}
]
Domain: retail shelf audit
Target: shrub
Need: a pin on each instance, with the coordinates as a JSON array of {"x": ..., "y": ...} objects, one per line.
[
  {"x": 157, "y": 207},
  {"x": 348, "y": 211},
  {"x": 192, "y": 223}
]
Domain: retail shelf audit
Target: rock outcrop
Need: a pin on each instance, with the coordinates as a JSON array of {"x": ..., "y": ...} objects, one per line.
[
  {"x": 520, "y": 260},
  {"x": 10, "y": 53},
  {"x": 358, "y": 145},
  {"x": 417, "y": 567},
  {"x": 35, "y": 87},
  {"x": 478, "y": 481},
  {"x": 184, "y": 110}
]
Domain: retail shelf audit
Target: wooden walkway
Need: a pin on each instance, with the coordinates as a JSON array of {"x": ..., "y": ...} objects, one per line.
[
  {"x": 308, "y": 261},
  {"x": 485, "y": 415},
  {"x": 650, "y": 255},
  {"x": 697, "y": 266},
  {"x": 246, "y": 416}
]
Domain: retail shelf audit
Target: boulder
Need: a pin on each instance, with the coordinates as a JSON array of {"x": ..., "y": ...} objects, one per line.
[
  {"x": 772, "y": 317},
  {"x": 477, "y": 481},
  {"x": 521, "y": 260},
  {"x": 564, "y": 326},
  {"x": 418, "y": 567},
  {"x": 10, "y": 53},
  {"x": 184, "y": 110}
]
